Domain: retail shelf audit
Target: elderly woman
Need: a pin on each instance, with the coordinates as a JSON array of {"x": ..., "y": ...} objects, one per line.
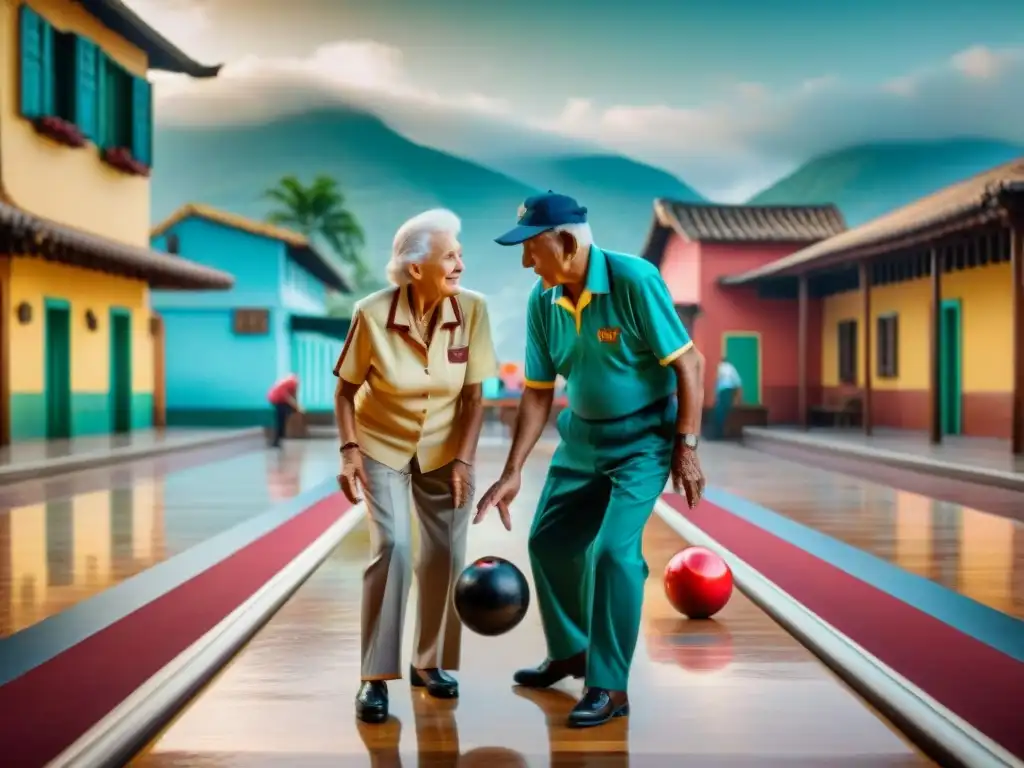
[{"x": 409, "y": 409}]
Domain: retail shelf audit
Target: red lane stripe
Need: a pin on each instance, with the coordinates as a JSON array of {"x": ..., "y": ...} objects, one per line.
[
  {"x": 977, "y": 682},
  {"x": 43, "y": 712}
]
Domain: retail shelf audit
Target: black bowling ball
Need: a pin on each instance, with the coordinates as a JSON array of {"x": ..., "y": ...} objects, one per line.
[{"x": 491, "y": 596}]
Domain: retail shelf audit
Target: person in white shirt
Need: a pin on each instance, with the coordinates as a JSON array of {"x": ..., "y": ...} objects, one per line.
[{"x": 727, "y": 388}]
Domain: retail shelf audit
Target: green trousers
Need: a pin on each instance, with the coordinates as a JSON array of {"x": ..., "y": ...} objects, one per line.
[{"x": 586, "y": 543}]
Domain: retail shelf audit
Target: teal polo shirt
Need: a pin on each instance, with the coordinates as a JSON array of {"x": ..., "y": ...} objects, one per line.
[{"x": 615, "y": 346}]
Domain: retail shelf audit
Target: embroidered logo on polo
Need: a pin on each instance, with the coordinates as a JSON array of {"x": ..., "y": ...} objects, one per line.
[{"x": 608, "y": 335}]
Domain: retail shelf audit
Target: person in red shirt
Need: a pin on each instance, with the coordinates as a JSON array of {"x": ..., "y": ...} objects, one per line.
[{"x": 284, "y": 397}]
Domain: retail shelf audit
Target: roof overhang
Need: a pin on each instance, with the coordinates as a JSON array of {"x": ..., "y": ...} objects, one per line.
[
  {"x": 328, "y": 326},
  {"x": 24, "y": 233},
  {"x": 162, "y": 53},
  {"x": 998, "y": 202},
  {"x": 310, "y": 259}
]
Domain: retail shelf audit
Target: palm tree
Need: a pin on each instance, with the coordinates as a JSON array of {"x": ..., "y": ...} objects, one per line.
[{"x": 319, "y": 210}]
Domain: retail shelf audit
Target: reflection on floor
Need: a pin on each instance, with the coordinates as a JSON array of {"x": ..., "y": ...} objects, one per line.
[
  {"x": 736, "y": 691},
  {"x": 964, "y": 549},
  {"x": 66, "y": 549}
]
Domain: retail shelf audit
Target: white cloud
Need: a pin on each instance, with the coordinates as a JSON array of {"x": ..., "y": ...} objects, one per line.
[
  {"x": 722, "y": 148},
  {"x": 256, "y": 88},
  {"x": 727, "y": 149}
]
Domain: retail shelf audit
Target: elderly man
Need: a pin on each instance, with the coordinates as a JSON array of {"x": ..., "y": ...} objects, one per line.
[
  {"x": 605, "y": 321},
  {"x": 409, "y": 410}
]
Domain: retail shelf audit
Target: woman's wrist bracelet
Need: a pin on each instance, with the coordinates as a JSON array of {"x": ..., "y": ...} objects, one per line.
[
  {"x": 464, "y": 463},
  {"x": 349, "y": 446}
]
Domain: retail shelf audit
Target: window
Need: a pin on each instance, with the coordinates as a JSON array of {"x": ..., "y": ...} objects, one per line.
[
  {"x": 848, "y": 352},
  {"x": 67, "y": 76},
  {"x": 251, "y": 322},
  {"x": 173, "y": 243},
  {"x": 888, "y": 326},
  {"x": 64, "y": 50}
]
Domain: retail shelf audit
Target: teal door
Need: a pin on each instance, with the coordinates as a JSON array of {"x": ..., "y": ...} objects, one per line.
[
  {"x": 951, "y": 367},
  {"x": 57, "y": 383},
  {"x": 120, "y": 370},
  {"x": 743, "y": 350}
]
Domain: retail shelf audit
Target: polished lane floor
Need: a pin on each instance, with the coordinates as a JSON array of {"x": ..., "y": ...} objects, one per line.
[
  {"x": 978, "y": 554},
  {"x": 738, "y": 691},
  {"x": 64, "y": 540}
]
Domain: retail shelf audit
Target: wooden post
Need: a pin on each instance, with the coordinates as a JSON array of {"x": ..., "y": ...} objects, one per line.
[
  {"x": 935, "y": 344},
  {"x": 1017, "y": 272},
  {"x": 802, "y": 340},
  {"x": 865, "y": 301}
]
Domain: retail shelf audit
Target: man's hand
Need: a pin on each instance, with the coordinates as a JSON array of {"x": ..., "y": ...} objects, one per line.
[
  {"x": 353, "y": 474},
  {"x": 461, "y": 483},
  {"x": 500, "y": 495},
  {"x": 687, "y": 476}
]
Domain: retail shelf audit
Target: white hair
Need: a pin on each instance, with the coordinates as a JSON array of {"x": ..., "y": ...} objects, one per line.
[
  {"x": 584, "y": 237},
  {"x": 414, "y": 240}
]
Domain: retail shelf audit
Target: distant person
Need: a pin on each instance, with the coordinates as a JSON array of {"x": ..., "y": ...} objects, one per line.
[
  {"x": 409, "y": 408},
  {"x": 728, "y": 386},
  {"x": 606, "y": 322},
  {"x": 283, "y": 396}
]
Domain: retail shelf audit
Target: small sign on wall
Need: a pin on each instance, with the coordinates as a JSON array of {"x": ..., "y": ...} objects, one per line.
[{"x": 251, "y": 322}]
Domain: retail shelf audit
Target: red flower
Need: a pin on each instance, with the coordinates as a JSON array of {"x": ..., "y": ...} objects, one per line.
[
  {"x": 60, "y": 130},
  {"x": 121, "y": 158}
]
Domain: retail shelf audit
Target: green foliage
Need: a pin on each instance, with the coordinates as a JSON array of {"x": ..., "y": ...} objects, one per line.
[{"x": 319, "y": 211}]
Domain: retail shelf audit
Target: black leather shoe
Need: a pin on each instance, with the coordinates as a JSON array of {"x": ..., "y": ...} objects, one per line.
[
  {"x": 438, "y": 683},
  {"x": 372, "y": 701},
  {"x": 597, "y": 707},
  {"x": 552, "y": 671}
]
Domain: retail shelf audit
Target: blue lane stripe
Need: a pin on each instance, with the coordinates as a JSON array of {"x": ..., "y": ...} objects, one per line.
[
  {"x": 41, "y": 642},
  {"x": 987, "y": 625}
]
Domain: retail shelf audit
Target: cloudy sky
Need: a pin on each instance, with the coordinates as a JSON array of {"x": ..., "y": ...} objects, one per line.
[{"x": 725, "y": 93}]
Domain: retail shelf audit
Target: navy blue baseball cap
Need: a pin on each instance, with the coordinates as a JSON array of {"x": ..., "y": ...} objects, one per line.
[{"x": 542, "y": 213}]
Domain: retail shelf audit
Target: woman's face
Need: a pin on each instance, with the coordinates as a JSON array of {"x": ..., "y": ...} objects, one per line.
[{"x": 439, "y": 274}]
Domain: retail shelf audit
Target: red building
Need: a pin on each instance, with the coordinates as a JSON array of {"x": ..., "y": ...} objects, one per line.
[{"x": 695, "y": 246}]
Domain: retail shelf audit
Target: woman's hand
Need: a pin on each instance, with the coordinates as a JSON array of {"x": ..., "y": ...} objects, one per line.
[
  {"x": 353, "y": 474},
  {"x": 462, "y": 483}
]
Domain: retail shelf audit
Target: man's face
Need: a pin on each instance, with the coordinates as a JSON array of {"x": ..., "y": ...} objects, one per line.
[{"x": 547, "y": 254}]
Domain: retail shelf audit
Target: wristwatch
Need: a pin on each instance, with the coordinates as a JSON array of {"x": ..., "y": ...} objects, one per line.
[{"x": 690, "y": 441}]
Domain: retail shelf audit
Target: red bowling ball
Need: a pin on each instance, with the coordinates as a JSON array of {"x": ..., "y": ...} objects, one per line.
[{"x": 698, "y": 583}]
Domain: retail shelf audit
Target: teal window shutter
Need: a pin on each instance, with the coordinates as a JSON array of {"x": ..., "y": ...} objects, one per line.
[
  {"x": 36, "y": 53},
  {"x": 142, "y": 121},
  {"x": 103, "y": 121},
  {"x": 86, "y": 88}
]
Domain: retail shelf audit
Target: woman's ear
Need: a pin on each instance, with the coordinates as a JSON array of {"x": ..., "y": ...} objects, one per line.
[{"x": 415, "y": 271}]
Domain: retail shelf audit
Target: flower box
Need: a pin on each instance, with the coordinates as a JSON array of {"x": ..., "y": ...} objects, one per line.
[
  {"x": 121, "y": 159},
  {"x": 60, "y": 130}
]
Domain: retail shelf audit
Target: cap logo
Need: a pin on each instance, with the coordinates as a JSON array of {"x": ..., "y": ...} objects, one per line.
[{"x": 522, "y": 211}]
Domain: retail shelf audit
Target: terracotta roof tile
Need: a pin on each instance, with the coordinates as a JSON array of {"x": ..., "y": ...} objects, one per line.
[
  {"x": 36, "y": 236},
  {"x": 971, "y": 197},
  {"x": 711, "y": 223}
]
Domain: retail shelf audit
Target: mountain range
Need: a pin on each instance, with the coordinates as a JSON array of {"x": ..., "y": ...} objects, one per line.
[
  {"x": 392, "y": 166},
  {"x": 387, "y": 178},
  {"x": 869, "y": 180}
]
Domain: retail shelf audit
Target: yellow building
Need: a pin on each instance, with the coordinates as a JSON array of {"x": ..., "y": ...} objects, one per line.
[
  {"x": 81, "y": 350},
  {"x": 917, "y": 317}
]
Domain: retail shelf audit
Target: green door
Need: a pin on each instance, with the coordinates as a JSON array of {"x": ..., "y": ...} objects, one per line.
[
  {"x": 58, "y": 370},
  {"x": 120, "y": 370},
  {"x": 950, "y": 367},
  {"x": 743, "y": 350}
]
